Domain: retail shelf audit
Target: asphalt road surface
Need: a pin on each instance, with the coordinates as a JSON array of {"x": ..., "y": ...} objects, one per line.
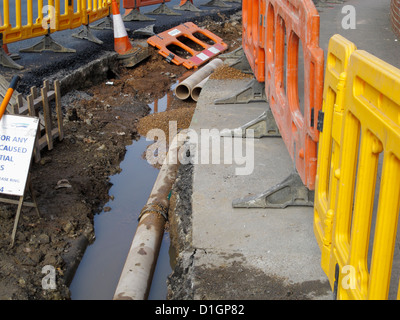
[{"x": 38, "y": 66}]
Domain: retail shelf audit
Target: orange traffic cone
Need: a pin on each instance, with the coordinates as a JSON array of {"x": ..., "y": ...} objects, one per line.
[
  {"x": 127, "y": 54},
  {"x": 122, "y": 45},
  {"x": 5, "y": 48},
  {"x": 187, "y": 5}
]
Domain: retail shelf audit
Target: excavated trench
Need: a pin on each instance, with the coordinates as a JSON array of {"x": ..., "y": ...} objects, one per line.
[
  {"x": 87, "y": 226},
  {"x": 115, "y": 225}
]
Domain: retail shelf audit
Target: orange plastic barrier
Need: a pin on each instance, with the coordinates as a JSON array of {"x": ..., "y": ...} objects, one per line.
[
  {"x": 133, "y": 4},
  {"x": 180, "y": 37},
  {"x": 289, "y": 24},
  {"x": 252, "y": 39}
]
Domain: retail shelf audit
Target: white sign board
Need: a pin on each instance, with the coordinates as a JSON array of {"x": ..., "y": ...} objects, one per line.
[{"x": 17, "y": 138}]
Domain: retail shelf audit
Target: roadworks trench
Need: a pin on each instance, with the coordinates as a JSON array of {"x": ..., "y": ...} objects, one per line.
[{"x": 92, "y": 185}]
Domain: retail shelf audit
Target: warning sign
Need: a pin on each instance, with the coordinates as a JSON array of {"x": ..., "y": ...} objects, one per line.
[{"x": 17, "y": 138}]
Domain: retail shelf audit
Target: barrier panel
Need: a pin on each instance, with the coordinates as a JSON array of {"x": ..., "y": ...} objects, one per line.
[
  {"x": 96, "y": 10},
  {"x": 252, "y": 36},
  {"x": 180, "y": 36},
  {"x": 331, "y": 117},
  {"x": 289, "y": 24},
  {"x": 21, "y": 32},
  {"x": 371, "y": 129},
  {"x": 42, "y": 18},
  {"x": 357, "y": 185}
]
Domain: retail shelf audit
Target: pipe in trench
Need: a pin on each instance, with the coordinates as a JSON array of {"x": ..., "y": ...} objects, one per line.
[
  {"x": 137, "y": 273},
  {"x": 183, "y": 90}
]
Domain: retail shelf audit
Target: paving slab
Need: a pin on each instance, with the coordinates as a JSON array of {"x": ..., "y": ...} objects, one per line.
[
  {"x": 278, "y": 243},
  {"x": 275, "y": 244}
]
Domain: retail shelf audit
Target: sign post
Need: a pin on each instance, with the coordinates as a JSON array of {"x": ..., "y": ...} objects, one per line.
[{"x": 17, "y": 138}]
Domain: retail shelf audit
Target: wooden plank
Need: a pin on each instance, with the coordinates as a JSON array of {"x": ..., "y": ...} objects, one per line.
[
  {"x": 34, "y": 92},
  {"x": 58, "y": 110},
  {"x": 37, "y": 102},
  {"x": 47, "y": 115},
  {"x": 43, "y": 140},
  {"x": 32, "y": 112}
]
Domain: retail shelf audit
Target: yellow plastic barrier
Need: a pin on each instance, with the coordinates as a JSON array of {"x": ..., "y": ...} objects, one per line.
[
  {"x": 70, "y": 19},
  {"x": 371, "y": 127},
  {"x": 18, "y": 31},
  {"x": 358, "y": 191},
  {"x": 96, "y": 10},
  {"x": 50, "y": 16},
  {"x": 338, "y": 56}
]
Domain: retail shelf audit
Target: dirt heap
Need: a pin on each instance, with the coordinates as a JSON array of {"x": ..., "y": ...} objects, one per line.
[
  {"x": 226, "y": 72},
  {"x": 71, "y": 182}
]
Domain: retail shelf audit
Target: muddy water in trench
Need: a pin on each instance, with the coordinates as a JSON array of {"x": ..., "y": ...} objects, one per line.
[{"x": 98, "y": 273}]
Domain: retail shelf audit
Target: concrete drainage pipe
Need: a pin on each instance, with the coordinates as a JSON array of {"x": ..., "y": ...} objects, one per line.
[
  {"x": 184, "y": 89},
  {"x": 137, "y": 273},
  {"x": 197, "y": 89}
]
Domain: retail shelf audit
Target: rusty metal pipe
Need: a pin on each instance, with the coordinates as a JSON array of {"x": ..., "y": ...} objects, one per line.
[
  {"x": 183, "y": 90},
  {"x": 137, "y": 274}
]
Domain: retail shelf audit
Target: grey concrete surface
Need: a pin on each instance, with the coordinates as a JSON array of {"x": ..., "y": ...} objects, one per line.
[
  {"x": 276, "y": 242},
  {"x": 373, "y": 31},
  {"x": 40, "y": 66}
]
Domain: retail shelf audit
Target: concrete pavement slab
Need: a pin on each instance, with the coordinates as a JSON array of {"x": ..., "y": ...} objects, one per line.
[
  {"x": 273, "y": 243},
  {"x": 372, "y": 33},
  {"x": 258, "y": 244}
]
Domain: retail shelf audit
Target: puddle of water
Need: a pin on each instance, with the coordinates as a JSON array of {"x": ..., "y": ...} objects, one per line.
[
  {"x": 98, "y": 273},
  {"x": 162, "y": 104}
]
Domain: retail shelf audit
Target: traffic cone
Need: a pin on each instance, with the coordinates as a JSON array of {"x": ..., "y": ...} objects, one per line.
[
  {"x": 127, "y": 54},
  {"x": 5, "y": 48},
  {"x": 187, "y": 5},
  {"x": 122, "y": 45}
]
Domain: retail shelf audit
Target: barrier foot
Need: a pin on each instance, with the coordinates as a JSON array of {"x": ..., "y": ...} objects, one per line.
[
  {"x": 146, "y": 31},
  {"x": 163, "y": 9},
  {"x": 237, "y": 59},
  {"x": 217, "y": 3},
  {"x": 290, "y": 192},
  {"x": 235, "y": 54},
  {"x": 106, "y": 24},
  {"x": 135, "y": 15},
  {"x": 86, "y": 33},
  {"x": 8, "y": 60},
  {"x": 48, "y": 44},
  {"x": 134, "y": 56},
  {"x": 14, "y": 56},
  {"x": 253, "y": 92},
  {"x": 187, "y": 6},
  {"x": 263, "y": 126}
]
